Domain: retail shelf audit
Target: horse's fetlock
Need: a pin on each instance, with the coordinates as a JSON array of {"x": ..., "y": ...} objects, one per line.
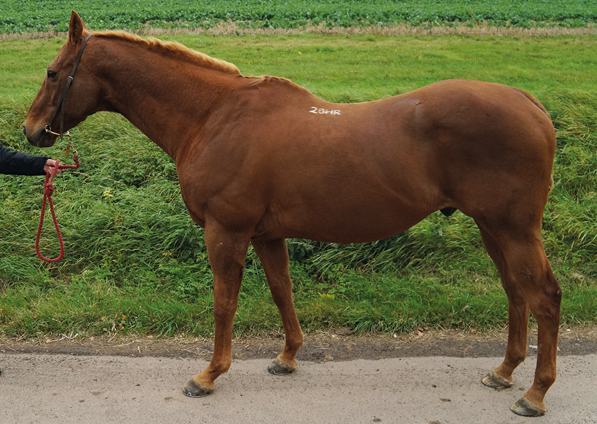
[
  {"x": 545, "y": 379},
  {"x": 221, "y": 368},
  {"x": 515, "y": 361}
]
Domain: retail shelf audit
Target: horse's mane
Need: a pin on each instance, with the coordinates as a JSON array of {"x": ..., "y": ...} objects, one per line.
[{"x": 173, "y": 49}]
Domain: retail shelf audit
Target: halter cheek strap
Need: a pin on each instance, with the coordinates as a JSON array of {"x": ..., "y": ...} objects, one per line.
[{"x": 62, "y": 102}]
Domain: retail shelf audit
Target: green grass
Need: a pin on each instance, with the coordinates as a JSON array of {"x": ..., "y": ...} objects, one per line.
[
  {"x": 44, "y": 15},
  {"x": 136, "y": 263}
]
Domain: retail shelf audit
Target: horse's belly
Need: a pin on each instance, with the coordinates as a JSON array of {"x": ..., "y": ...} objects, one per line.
[{"x": 354, "y": 218}]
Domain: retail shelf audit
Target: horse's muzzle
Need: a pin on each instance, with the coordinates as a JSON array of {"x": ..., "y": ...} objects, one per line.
[{"x": 39, "y": 138}]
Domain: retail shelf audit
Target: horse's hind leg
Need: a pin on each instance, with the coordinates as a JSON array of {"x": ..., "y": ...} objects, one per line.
[
  {"x": 274, "y": 259},
  {"x": 530, "y": 285},
  {"x": 518, "y": 314}
]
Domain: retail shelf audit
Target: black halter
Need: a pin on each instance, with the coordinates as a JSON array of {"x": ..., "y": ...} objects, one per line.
[{"x": 62, "y": 101}]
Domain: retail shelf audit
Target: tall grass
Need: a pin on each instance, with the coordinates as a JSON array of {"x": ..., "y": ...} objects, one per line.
[{"x": 136, "y": 263}]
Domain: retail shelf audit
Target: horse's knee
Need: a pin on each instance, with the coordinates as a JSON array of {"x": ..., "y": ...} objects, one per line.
[{"x": 224, "y": 311}]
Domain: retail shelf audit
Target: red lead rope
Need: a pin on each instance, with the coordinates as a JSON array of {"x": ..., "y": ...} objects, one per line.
[{"x": 48, "y": 190}]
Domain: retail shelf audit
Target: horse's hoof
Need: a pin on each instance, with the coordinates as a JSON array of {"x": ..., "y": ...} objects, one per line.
[
  {"x": 526, "y": 409},
  {"x": 280, "y": 368},
  {"x": 195, "y": 390},
  {"x": 496, "y": 381}
]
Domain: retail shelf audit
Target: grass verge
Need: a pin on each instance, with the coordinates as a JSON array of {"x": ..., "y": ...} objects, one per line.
[{"x": 136, "y": 263}]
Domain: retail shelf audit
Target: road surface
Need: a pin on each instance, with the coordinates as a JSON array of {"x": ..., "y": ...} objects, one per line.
[{"x": 83, "y": 389}]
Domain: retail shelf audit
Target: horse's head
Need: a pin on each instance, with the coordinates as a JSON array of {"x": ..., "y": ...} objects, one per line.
[{"x": 46, "y": 117}]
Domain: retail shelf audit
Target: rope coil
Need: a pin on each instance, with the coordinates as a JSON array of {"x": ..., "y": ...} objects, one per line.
[{"x": 48, "y": 191}]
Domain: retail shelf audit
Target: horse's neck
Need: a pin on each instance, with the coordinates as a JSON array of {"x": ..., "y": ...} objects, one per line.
[{"x": 166, "y": 99}]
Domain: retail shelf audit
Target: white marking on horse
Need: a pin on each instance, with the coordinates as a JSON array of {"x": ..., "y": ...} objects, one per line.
[{"x": 322, "y": 111}]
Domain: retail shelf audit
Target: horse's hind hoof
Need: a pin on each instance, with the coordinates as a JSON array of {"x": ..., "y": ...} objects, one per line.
[
  {"x": 496, "y": 381},
  {"x": 526, "y": 409},
  {"x": 280, "y": 368},
  {"x": 195, "y": 390}
]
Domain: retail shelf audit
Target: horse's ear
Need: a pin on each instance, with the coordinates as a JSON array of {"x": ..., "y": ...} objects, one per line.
[{"x": 75, "y": 28}]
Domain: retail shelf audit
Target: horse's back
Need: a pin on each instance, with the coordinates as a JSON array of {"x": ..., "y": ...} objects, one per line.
[{"x": 429, "y": 145}]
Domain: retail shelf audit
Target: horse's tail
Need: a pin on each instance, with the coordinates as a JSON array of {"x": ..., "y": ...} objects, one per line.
[
  {"x": 534, "y": 101},
  {"x": 542, "y": 108}
]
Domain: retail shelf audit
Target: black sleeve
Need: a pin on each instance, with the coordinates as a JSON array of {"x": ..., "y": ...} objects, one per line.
[{"x": 18, "y": 163}]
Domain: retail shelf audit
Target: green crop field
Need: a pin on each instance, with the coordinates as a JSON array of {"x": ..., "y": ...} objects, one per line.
[
  {"x": 135, "y": 262},
  {"x": 44, "y": 15}
]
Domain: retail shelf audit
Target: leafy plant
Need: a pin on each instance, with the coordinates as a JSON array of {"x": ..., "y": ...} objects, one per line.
[{"x": 44, "y": 15}]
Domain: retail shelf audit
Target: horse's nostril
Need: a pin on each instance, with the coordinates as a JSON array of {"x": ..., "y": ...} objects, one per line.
[{"x": 24, "y": 130}]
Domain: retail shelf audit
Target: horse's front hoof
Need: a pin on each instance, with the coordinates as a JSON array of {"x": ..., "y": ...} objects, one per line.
[
  {"x": 496, "y": 381},
  {"x": 526, "y": 409},
  {"x": 195, "y": 390},
  {"x": 280, "y": 368}
]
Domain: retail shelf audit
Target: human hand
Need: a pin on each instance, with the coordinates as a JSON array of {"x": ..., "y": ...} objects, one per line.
[{"x": 50, "y": 166}]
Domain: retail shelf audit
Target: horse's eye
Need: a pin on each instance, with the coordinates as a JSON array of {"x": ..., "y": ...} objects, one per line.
[{"x": 51, "y": 74}]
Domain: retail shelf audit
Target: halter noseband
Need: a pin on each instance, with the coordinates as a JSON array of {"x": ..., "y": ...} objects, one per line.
[{"x": 62, "y": 101}]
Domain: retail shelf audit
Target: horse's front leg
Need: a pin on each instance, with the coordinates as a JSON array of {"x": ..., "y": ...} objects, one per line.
[
  {"x": 274, "y": 259},
  {"x": 227, "y": 252}
]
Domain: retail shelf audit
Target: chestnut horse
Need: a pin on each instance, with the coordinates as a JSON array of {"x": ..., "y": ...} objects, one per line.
[{"x": 261, "y": 159}]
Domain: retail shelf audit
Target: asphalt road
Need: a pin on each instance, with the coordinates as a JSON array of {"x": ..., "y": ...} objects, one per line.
[{"x": 41, "y": 388}]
